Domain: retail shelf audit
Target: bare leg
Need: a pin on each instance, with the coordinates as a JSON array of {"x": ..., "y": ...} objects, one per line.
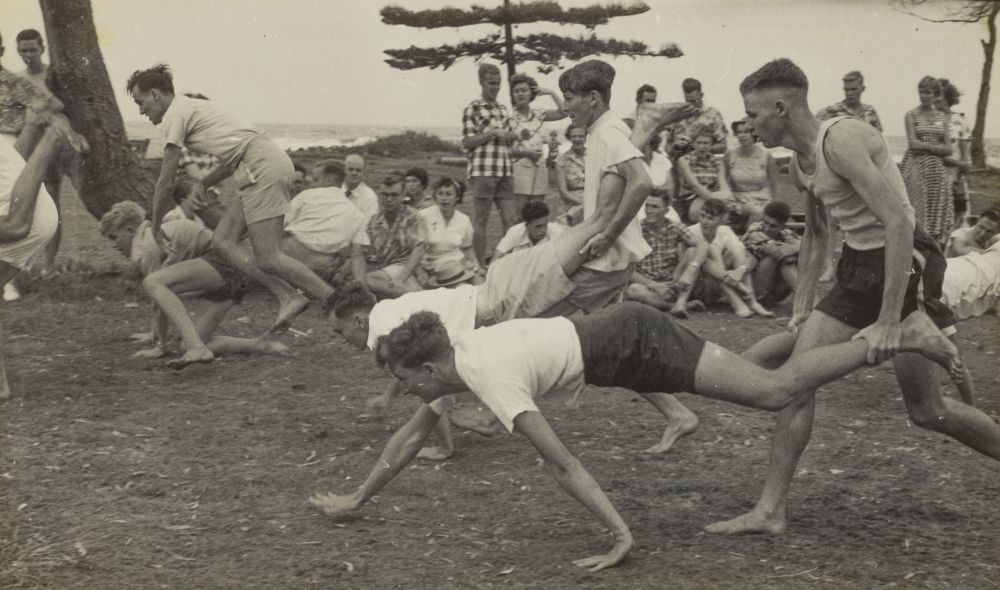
[
  {"x": 680, "y": 420},
  {"x": 920, "y": 380},
  {"x": 652, "y": 118},
  {"x": 164, "y": 285},
  {"x": 481, "y": 208},
  {"x": 643, "y": 294},
  {"x": 208, "y": 318},
  {"x": 7, "y": 274}
]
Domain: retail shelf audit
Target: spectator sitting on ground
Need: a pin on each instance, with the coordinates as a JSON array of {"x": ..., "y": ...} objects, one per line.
[
  {"x": 725, "y": 251},
  {"x": 972, "y": 282},
  {"x": 534, "y": 230},
  {"x": 321, "y": 222},
  {"x": 664, "y": 279},
  {"x": 362, "y": 195},
  {"x": 976, "y": 238},
  {"x": 449, "y": 231},
  {"x": 301, "y": 180},
  {"x": 774, "y": 253},
  {"x": 415, "y": 181},
  {"x": 385, "y": 255},
  {"x": 125, "y": 225}
]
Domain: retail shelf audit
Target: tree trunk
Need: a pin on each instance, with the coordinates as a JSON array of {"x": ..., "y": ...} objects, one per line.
[
  {"x": 508, "y": 32},
  {"x": 111, "y": 172},
  {"x": 978, "y": 153}
]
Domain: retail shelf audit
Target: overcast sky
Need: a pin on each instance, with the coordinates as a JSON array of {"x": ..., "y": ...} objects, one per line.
[{"x": 321, "y": 61}]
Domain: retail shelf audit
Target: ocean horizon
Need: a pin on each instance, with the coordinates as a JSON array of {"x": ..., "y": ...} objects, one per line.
[{"x": 295, "y": 136}]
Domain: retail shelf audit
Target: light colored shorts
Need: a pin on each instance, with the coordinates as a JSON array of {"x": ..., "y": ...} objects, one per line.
[
  {"x": 22, "y": 253},
  {"x": 523, "y": 284},
  {"x": 324, "y": 265},
  {"x": 491, "y": 187},
  {"x": 264, "y": 180},
  {"x": 594, "y": 290}
]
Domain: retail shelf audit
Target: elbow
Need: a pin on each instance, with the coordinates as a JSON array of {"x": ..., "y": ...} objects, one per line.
[{"x": 18, "y": 232}]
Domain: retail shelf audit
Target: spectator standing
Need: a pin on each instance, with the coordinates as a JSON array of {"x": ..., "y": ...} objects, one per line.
[{"x": 486, "y": 136}]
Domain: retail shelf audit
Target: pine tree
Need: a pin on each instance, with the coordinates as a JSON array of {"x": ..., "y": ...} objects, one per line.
[{"x": 545, "y": 49}]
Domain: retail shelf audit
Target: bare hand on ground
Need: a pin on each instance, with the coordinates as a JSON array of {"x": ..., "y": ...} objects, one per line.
[{"x": 334, "y": 504}]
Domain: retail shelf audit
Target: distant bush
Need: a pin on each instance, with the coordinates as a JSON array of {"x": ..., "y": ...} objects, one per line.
[{"x": 409, "y": 143}]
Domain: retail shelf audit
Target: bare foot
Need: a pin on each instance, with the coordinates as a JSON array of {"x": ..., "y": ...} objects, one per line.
[
  {"x": 198, "y": 355},
  {"x": 742, "y": 310},
  {"x": 474, "y": 419},
  {"x": 751, "y": 522},
  {"x": 696, "y": 305},
  {"x": 675, "y": 430},
  {"x": 155, "y": 352},
  {"x": 288, "y": 311},
  {"x": 920, "y": 335},
  {"x": 679, "y": 311},
  {"x": 268, "y": 346},
  {"x": 435, "y": 453},
  {"x": 760, "y": 309},
  {"x": 652, "y": 117}
]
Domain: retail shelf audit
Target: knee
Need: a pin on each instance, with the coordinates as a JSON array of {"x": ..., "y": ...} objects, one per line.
[
  {"x": 269, "y": 263},
  {"x": 151, "y": 283},
  {"x": 927, "y": 413}
]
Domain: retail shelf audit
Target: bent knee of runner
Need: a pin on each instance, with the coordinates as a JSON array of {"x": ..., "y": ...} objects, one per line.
[
  {"x": 929, "y": 413},
  {"x": 271, "y": 263}
]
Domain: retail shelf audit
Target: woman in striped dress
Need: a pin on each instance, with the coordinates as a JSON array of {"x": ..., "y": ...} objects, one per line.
[{"x": 928, "y": 183}]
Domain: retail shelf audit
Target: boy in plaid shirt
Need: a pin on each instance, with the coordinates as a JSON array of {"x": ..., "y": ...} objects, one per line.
[
  {"x": 486, "y": 136},
  {"x": 774, "y": 253},
  {"x": 664, "y": 279}
]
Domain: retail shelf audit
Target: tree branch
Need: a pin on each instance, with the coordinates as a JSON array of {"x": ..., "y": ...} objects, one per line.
[{"x": 520, "y": 13}]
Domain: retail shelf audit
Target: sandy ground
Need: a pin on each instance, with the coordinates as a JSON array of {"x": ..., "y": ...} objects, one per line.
[{"x": 119, "y": 473}]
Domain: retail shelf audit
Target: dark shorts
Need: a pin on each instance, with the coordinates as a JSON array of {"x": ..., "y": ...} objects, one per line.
[
  {"x": 236, "y": 282},
  {"x": 637, "y": 347},
  {"x": 856, "y": 298}
]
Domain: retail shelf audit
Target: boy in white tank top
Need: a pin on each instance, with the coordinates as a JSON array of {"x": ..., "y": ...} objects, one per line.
[{"x": 846, "y": 171}]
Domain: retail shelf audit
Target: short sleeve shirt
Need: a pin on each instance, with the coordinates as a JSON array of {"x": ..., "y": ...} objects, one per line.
[
  {"x": 756, "y": 239},
  {"x": 680, "y": 132},
  {"x": 865, "y": 113},
  {"x": 493, "y": 157},
  {"x": 187, "y": 239},
  {"x": 323, "y": 219},
  {"x": 202, "y": 126},
  {"x": 725, "y": 240},
  {"x": 389, "y": 244},
  {"x": 572, "y": 166},
  {"x": 517, "y": 238},
  {"x": 607, "y": 146},
  {"x": 666, "y": 241},
  {"x": 364, "y": 198},
  {"x": 456, "y": 307},
  {"x": 506, "y": 377},
  {"x": 17, "y": 94},
  {"x": 445, "y": 239}
]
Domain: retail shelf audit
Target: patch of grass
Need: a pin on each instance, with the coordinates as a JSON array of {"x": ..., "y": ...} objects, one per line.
[{"x": 409, "y": 143}]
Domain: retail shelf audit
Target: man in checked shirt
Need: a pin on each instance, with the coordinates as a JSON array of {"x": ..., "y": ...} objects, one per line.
[{"x": 486, "y": 137}]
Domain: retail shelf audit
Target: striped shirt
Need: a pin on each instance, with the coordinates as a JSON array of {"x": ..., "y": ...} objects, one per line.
[{"x": 493, "y": 157}]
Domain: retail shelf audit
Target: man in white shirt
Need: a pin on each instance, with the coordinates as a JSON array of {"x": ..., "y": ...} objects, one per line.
[
  {"x": 263, "y": 172},
  {"x": 362, "y": 195},
  {"x": 976, "y": 238},
  {"x": 630, "y": 345},
  {"x": 535, "y": 229}
]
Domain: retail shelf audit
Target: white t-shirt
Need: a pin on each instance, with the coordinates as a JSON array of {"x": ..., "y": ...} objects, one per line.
[
  {"x": 659, "y": 168},
  {"x": 510, "y": 364},
  {"x": 457, "y": 308},
  {"x": 516, "y": 237},
  {"x": 445, "y": 240},
  {"x": 323, "y": 219},
  {"x": 200, "y": 125},
  {"x": 725, "y": 240},
  {"x": 364, "y": 198},
  {"x": 608, "y": 145}
]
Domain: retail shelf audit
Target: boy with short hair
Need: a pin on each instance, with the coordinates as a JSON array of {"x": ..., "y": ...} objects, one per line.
[
  {"x": 774, "y": 253},
  {"x": 535, "y": 229}
]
